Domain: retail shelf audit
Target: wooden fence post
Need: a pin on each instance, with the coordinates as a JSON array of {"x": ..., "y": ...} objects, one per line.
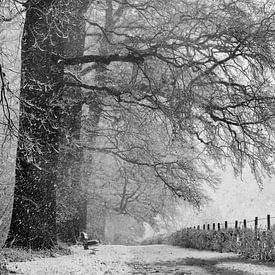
[
  {"x": 268, "y": 222},
  {"x": 214, "y": 226},
  {"x": 219, "y": 226},
  {"x": 244, "y": 223},
  {"x": 236, "y": 224},
  {"x": 256, "y": 224},
  {"x": 198, "y": 227},
  {"x": 225, "y": 224},
  {"x": 208, "y": 226},
  {"x": 203, "y": 227}
]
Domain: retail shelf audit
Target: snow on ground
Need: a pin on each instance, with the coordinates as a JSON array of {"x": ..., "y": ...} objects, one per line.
[
  {"x": 96, "y": 260},
  {"x": 152, "y": 259}
]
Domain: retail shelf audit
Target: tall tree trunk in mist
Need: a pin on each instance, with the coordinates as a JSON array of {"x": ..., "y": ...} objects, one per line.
[
  {"x": 34, "y": 211},
  {"x": 70, "y": 190},
  {"x": 96, "y": 208}
]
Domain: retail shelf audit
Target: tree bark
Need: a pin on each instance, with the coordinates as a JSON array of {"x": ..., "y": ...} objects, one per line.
[
  {"x": 33, "y": 222},
  {"x": 70, "y": 189}
]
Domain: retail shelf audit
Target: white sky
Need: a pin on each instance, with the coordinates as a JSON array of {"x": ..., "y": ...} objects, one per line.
[{"x": 235, "y": 199}]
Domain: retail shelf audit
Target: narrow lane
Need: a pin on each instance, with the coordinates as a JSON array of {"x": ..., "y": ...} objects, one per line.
[{"x": 152, "y": 259}]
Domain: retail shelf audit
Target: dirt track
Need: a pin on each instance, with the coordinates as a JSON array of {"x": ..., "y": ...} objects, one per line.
[{"x": 153, "y": 259}]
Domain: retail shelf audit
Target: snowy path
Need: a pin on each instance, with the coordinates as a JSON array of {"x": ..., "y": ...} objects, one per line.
[{"x": 153, "y": 259}]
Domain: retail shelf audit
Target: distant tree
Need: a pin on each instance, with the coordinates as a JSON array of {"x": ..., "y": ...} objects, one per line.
[{"x": 137, "y": 168}]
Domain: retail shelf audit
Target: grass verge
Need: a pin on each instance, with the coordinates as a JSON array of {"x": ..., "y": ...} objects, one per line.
[{"x": 249, "y": 244}]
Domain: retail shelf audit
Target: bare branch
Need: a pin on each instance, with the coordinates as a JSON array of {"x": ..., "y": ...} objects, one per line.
[{"x": 130, "y": 58}]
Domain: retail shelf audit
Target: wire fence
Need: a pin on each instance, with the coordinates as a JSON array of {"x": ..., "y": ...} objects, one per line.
[{"x": 257, "y": 224}]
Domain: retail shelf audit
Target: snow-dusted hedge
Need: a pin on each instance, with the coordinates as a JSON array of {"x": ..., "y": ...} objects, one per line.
[{"x": 246, "y": 242}]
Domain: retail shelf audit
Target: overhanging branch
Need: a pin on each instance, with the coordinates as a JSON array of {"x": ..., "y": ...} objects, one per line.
[{"x": 130, "y": 58}]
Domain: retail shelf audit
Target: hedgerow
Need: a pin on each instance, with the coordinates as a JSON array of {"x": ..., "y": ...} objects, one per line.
[{"x": 246, "y": 242}]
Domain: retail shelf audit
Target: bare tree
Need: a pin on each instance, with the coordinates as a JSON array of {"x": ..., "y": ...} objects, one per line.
[
  {"x": 180, "y": 63},
  {"x": 207, "y": 67},
  {"x": 204, "y": 69}
]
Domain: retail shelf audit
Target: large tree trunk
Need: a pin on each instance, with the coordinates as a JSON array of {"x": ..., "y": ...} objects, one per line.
[
  {"x": 71, "y": 202},
  {"x": 34, "y": 211}
]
